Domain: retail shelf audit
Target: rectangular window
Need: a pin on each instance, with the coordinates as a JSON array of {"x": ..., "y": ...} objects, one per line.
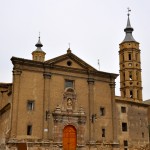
[
  {"x": 131, "y": 94},
  {"x": 103, "y": 132},
  {"x": 30, "y": 105},
  {"x": 125, "y": 143},
  {"x": 142, "y": 134},
  {"x": 123, "y": 109},
  {"x": 130, "y": 56},
  {"x": 130, "y": 75},
  {"x": 102, "y": 111},
  {"x": 29, "y": 130},
  {"x": 124, "y": 76},
  {"x": 69, "y": 83},
  {"x": 124, "y": 126}
]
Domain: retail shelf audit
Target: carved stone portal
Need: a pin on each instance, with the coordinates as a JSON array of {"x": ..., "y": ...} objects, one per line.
[{"x": 69, "y": 114}]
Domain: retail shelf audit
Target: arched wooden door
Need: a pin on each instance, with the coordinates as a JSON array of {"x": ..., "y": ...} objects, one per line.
[{"x": 69, "y": 138}]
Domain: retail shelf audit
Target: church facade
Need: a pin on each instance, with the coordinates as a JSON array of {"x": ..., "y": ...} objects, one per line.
[{"x": 65, "y": 104}]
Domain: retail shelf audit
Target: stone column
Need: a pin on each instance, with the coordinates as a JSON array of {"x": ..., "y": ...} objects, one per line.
[
  {"x": 46, "y": 106},
  {"x": 15, "y": 101},
  {"x": 91, "y": 109}
]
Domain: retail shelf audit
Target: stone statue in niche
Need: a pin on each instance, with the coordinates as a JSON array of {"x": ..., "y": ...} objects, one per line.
[{"x": 69, "y": 102}]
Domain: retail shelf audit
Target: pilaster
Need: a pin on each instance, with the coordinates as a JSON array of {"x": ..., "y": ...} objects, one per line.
[
  {"x": 113, "y": 107},
  {"x": 91, "y": 110},
  {"x": 46, "y": 107},
  {"x": 15, "y": 101}
]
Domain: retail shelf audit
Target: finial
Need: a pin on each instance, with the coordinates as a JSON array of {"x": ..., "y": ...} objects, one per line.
[
  {"x": 39, "y": 44},
  {"x": 69, "y": 50},
  {"x": 69, "y": 45},
  {"x": 128, "y": 11},
  {"x": 39, "y": 35}
]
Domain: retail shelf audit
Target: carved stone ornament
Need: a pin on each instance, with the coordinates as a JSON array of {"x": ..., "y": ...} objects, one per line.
[{"x": 69, "y": 114}]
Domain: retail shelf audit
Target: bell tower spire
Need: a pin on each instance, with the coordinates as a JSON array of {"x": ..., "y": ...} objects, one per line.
[
  {"x": 130, "y": 66},
  {"x": 38, "y": 54},
  {"x": 128, "y": 30}
]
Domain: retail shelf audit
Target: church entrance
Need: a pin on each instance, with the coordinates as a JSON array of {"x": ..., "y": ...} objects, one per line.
[
  {"x": 69, "y": 138},
  {"x": 22, "y": 146}
]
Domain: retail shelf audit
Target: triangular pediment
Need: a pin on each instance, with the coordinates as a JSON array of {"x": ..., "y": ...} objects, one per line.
[{"x": 69, "y": 60}]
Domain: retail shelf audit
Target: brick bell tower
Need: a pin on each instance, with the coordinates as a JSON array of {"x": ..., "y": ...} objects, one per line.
[{"x": 130, "y": 66}]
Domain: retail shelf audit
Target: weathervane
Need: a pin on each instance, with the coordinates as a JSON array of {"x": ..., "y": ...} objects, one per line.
[{"x": 129, "y": 11}]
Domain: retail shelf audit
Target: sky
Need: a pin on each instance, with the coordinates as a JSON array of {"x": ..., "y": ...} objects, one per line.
[{"x": 94, "y": 29}]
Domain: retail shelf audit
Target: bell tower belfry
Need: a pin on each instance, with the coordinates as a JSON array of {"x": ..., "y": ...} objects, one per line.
[{"x": 130, "y": 66}]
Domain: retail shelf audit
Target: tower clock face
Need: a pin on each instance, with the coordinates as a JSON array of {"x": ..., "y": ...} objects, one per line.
[{"x": 69, "y": 102}]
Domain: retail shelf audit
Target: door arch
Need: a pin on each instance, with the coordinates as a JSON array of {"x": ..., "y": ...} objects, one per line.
[{"x": 69, "y": 138}]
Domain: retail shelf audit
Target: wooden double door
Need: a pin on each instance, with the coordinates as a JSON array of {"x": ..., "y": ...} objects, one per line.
[{"x": 69, "y": 138}]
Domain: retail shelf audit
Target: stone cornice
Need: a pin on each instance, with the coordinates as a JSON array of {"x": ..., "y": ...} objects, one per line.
[
  {"x": 91, "y": 72},
  {"x": 69, "y": 115},
  {"x": 125, "y": 100},
  {"x": 5, "y": 85},
  {"x": 19, "y": 63},
  {"x": 129, "y": 42},
  {"x": 128, "y": 49}
]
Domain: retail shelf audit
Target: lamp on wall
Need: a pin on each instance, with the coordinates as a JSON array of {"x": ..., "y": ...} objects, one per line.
[{"x": 47, "y": 114}]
